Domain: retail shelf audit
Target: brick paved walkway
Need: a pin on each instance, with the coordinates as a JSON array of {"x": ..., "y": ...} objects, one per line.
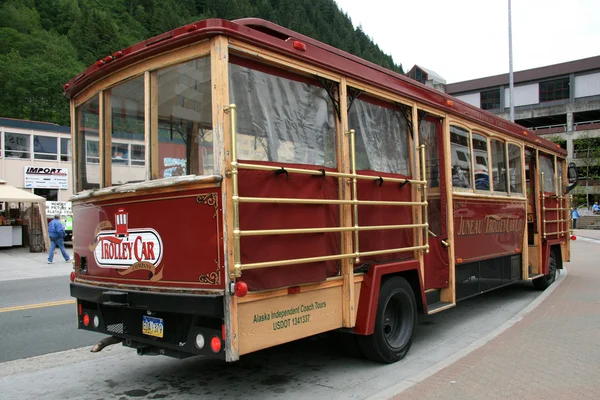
[{"x": 552, "y": 353}]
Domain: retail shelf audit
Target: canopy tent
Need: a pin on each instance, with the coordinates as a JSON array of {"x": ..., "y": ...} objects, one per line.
[{"x": 11, "y": 194}]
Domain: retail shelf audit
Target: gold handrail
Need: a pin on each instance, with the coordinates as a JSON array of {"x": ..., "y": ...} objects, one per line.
[
  {"x": 557, "y": 233},
  {"x": 543, "y": 216},
  {"x": 237, "y": 266},
  {"x": 280, "y": 263},
  {"x": 559, "y": 202},
  {"x": 291, "y": 200},
  {"x": 266, "y": 232},
  {"x": 424, "y": 210},
  {"x": 333, "y": 174},
  {"x": 352, "y": 133}
]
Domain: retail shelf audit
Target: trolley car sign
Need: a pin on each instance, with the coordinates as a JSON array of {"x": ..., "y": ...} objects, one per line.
[{"x": 125, "y": 248}]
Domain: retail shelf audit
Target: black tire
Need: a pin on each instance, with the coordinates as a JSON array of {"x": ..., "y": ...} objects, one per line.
[
  {"x": 395, "y": 323},
  {"x": 547, "y": 280}
]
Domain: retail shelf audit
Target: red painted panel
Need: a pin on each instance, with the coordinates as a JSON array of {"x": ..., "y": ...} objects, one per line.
[
  {"x": 375, "y": 215},
  {"x": 169, "y": 239},
  {"x": 261, "y": 216},
  {"x": 486, "y": 228}
]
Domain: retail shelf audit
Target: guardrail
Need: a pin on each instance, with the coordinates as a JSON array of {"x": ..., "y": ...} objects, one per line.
[
  {"x": 238, "y": 267},
  {"x": 563, "y": 225}
]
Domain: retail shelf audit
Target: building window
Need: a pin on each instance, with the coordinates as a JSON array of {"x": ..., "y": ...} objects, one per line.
[
  {"x": 16, "y": 145},
  {"x": 65, "y": 149},
  {"x": 120, "y": 153},
  {"x": 490, "y": 99},
  {"x": 554, "y": 90},
  {"x": 92, "y": 151},
  {"x": 49, "y": 194},
  {"x": 137, "y": 154},
  {"x": 45, "y": 148}
]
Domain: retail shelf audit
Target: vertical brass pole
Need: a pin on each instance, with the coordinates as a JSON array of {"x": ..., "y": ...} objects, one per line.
[
  {"x": 237, "y": 265},
  {"x": 560, "y": 205},
  {"x": 543, "y": 197},
  {"x": 351, "y": 132},
  {"x": 425, "y": 209}
]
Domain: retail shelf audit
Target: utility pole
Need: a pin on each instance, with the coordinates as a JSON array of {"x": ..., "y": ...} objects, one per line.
[{"x": 510, "y": 73}]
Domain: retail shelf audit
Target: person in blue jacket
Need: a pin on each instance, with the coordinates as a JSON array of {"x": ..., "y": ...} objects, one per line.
[
  {"x": 56, "y": 231},
  {"x": 575, "y": 215}
]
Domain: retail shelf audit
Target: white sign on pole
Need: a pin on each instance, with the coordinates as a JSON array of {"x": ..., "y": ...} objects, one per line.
[
  {"x": 46, "y": 178},
  {"x": 58, "y": 208}
]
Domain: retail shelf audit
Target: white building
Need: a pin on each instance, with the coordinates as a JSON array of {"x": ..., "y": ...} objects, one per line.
[{"x": 36, "y": 156}]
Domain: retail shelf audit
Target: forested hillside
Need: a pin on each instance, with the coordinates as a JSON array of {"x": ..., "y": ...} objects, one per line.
[{"x": 44, "y": 43}]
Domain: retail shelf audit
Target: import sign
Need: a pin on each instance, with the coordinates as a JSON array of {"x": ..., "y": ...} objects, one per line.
[{"x": 46, "y": 178}]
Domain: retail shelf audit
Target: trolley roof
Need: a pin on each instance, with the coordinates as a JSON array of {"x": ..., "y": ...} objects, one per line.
[{"x": 276, "y": 38}]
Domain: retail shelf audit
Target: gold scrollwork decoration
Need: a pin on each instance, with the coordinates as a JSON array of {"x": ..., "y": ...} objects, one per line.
[
  {"x": 212, "y": 278},
  {"x": 209, "y": 199}
]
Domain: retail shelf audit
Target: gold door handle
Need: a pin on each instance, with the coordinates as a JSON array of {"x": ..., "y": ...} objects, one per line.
[{"x": 445, "y": 244}]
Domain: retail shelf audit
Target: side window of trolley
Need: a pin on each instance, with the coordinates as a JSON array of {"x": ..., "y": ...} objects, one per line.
[
  {"x": 481, "y": 162},
  {"x": 547, "y": 169},
  {"x": 560, "y": 179},
  {"x": 281, "y": 116},
  {"x": 381, "y": 136},
  {"x": 429, "y": 133},
  {"x": 87, "y": 151},
  {"x": 125, "y": 102},
  {"x": 183, "y": 120},
  {"x": 515, "y": 168},
  {"x": 499, "y": 166},
  {"x": 460, "y": 157}
]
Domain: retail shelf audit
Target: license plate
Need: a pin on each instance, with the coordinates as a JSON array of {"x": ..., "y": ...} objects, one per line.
[{"x": 152, "y": 326}]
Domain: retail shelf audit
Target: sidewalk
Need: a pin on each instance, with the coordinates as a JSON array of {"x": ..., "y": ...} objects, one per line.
[
  {"x": 20, "y": 263},
  {"x": 553, "y": 352}
]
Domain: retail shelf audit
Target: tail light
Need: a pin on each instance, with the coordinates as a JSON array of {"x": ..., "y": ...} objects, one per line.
[
  {"x": 240, "y": 288},
  {"x": 215, "y": 344},
  {"x": 86, "y": 320}
]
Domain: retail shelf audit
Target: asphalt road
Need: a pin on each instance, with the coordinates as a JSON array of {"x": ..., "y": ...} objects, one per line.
[
  {"x": 313, "y": 368},
  {"x": 43, "y": 329}
]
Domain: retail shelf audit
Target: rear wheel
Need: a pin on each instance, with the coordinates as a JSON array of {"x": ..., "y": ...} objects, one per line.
[
  {"x": 547, "y": 280},
  {"x": 394, "y": 323}
]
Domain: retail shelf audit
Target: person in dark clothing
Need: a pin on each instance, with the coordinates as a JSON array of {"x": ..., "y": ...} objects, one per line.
[{"x": 56, "y": 231}]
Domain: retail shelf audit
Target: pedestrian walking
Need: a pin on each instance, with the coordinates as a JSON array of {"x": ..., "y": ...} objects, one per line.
[
  {"x": 575, "y": 216},
  {"x": 56, "y": 231},
  {"x": 596, "y": 208}
]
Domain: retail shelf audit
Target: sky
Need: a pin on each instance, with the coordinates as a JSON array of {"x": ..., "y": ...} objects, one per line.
[{"x": 468, "y": 39}]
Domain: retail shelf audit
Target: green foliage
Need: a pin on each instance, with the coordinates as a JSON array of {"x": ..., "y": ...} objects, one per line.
[
  {"x": 44, "y": 43},
  {"x": 558, "y": 140}
]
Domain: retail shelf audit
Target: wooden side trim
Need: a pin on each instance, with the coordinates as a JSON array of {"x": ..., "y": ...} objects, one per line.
[
  {"x": 176, "y": 56},
  {"x": 219, "y": 77},
  {"x": 270, "y": 57},
  {"x": 343, "y": 158},
  {"x": 449, "y": 295}
]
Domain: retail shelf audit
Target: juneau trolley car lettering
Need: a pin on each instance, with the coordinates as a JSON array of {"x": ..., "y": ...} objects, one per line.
[{"x": 240, "y": 185}]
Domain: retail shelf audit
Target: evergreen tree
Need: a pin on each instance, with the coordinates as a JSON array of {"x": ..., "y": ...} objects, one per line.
[{"x": 44, "y": 43}]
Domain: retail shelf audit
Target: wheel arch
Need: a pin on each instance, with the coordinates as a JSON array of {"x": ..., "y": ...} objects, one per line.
[
  {"x": 552, "y": 246},
  {"x": 369, "y": 293}
]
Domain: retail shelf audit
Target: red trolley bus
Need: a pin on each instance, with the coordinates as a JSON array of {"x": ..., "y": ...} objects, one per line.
[{"x": 266, "y": 187}]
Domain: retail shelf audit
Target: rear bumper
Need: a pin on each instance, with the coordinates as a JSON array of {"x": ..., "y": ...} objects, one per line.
[{"x": 119, "y": 313}]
